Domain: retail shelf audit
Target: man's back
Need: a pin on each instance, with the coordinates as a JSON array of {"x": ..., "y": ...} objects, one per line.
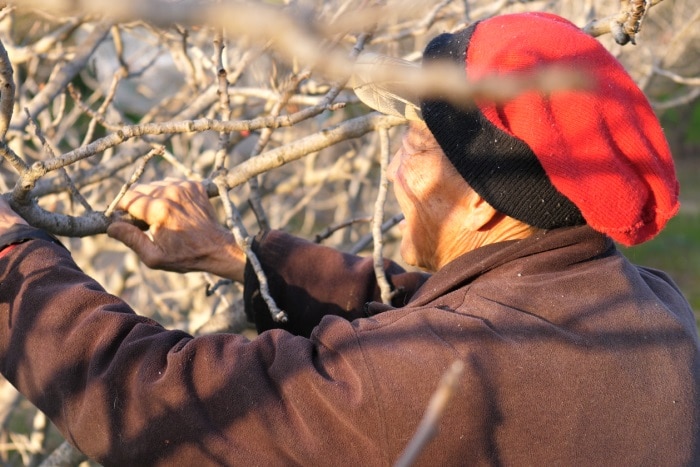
[{"x": 572, "y": 356}]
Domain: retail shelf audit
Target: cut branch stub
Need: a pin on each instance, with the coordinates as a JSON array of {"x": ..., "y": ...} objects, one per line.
[{"x": 624, "y": 25}]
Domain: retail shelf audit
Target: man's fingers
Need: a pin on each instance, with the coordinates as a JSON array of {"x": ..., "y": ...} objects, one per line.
[
  {"x": 146, "y": 208},
  {"x": 136, "y": 201},
  {"x": 156, "y": 188},
  {"x": 134, "y": 238},
  {"x": 127, "y": 199},
  {"x": 152, "y": 189}
]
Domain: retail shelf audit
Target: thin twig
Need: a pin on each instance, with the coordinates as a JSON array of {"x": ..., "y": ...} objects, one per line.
[
  {"x": 365, "y": 241},
  {"x": 85, "y": 108},
  {"x": 47, "y": 42},
  {"x": 182, "y": 168},
  {"x": 685, "y": 99},
  {"x": 255, "y": 198},
  {"x": 309, "y": 195},
  {"x": 676, "y": 78},
  {"x": 330, "y": 230},
  {"x": 64, "y": 456},
  {"x": 138, "y": 172},
  {"x": 224, "y": 100},
  {"x": 234, "y": 222},
  {"x": 213, "y": 287},
  {"x": 293, "y": 84},
  {"x": 49, "y": 151},
  {"x": 121, "y": 73},
  {"x": 182, "y": 43},
  {"x": 49, "y": 185},
  {"x": 378, "y": 256},
  {"x": 428, "y": 427},
  {"x": 66, "y": 73},
  {"x": 98, "y": 117},
  {"x": 7, "y": 91},
  {"x": 623, "y": 25}
]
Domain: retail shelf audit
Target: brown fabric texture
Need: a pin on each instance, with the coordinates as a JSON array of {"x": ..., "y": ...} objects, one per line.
[{"x": 573, "y": 357}]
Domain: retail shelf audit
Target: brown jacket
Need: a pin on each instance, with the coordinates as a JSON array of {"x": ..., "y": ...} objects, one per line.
[{"x": 572, "y": 356}]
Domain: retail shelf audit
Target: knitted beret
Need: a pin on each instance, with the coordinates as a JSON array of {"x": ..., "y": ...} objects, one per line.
[{"x": 595, "y": 155}]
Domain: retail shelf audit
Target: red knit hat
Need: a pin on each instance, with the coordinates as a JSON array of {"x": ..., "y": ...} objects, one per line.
[{"x": 596, "y": 155}]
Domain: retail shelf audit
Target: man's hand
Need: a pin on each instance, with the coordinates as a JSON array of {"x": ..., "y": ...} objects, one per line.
[
  {"x": 183, "y": 232},
  {"x": 8, "y": 217}
]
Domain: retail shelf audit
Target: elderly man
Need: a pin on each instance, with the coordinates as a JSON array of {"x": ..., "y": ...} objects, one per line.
[{"x": 572, "y": 355}]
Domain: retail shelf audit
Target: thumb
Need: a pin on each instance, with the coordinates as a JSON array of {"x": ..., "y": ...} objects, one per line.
[{"x": 131, "y": 236}]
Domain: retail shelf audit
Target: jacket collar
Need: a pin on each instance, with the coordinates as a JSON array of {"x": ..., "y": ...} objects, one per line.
[{"x": 580, "y": 244}]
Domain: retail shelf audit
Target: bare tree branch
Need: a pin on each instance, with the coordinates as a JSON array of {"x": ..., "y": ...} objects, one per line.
[
  {"x": 24, "y": 53},
  {"x": 684, "y": 99},
  {"x": 365, "y": 241},
  {"x": 378, "y": 255},
  {"x": 233, "y": 221},
  {"x": 158, "y": 151},
  {"x": 7, "y": 91},
  {"x": 331, "y": 229},
  {"x": 94, "y": 223},
  {"x": 65, "y": 74},
  {"x": 676, "y": 78},
  {"x": 64, "y": 456},
  {"x": 428, "y": 427},
  {"x": 274, "y": 158},
  {"x": 624, "y": 25}
]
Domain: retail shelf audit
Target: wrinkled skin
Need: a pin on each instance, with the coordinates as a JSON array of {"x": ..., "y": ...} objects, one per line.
[
  {"x": 8, "y": 217},
  {"x": 444, "y": 216},
  {"x": 183, "y": 232}
]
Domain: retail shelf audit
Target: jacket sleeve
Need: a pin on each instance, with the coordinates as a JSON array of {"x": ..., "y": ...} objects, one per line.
[
  {"x": 126, "y": 391},
  {"x": 309, "y": 281}
]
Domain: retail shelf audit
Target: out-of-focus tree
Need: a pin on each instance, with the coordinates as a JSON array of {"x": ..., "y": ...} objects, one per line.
[{"x": 251, "y": 99}]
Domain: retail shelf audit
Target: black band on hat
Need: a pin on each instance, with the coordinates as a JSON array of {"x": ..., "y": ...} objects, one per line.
[{"x": 501, "y": 168}]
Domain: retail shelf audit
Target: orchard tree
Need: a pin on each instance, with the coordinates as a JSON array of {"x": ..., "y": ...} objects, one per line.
[{"x": 255, "y": 101}]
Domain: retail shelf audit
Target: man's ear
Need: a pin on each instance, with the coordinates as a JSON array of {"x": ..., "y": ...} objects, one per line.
[{"x": 481, "y": 213}]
